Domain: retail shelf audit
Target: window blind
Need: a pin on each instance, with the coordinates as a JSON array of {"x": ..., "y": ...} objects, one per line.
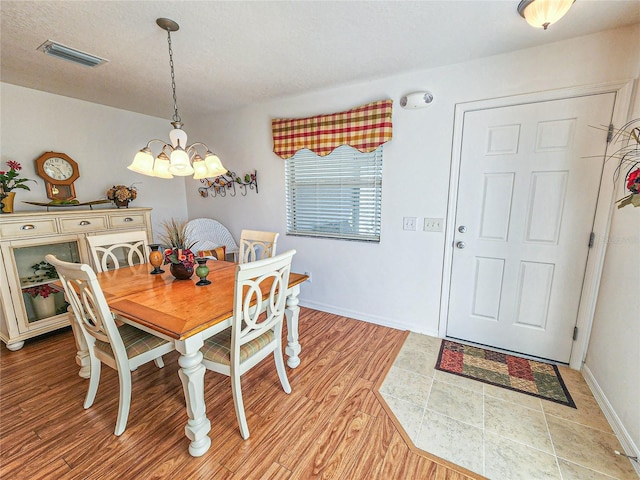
[{"x": 335, "y": 196}]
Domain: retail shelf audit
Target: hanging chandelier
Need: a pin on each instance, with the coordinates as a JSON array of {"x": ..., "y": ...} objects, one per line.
[{"x": 176, "y": 158}]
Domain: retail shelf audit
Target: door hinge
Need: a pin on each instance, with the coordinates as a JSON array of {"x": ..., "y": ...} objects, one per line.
[
  {"x": 575, "y": 333},
  {"x": 610, "y": 133},
  {"x": 592, "y": 239}
]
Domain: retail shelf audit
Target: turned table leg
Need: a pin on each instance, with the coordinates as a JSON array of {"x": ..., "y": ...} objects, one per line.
[
  {"x": 292, "y": 313},
  {"x": 192, "y": 376}
]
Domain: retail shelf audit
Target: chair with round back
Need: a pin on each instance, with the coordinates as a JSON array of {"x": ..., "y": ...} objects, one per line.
[
  {"x": 114, "y": 250},
  {"x": 257, "y": 245},
  {"x": 208, "y": 234},
  {"x": 256, "y": 330},
  {"x": 122, "y": 348}
]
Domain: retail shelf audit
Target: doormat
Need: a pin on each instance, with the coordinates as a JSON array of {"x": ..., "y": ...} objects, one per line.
[{"x": 519, "y": 374}]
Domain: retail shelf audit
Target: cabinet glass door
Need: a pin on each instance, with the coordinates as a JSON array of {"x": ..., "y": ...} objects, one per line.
[{"x": 41, "y": 297}]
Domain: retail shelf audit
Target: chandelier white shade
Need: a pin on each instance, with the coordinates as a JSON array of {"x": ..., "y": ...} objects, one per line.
[
  {"x": 542, "y": 13},
  {"x": 176, "y": 158}
]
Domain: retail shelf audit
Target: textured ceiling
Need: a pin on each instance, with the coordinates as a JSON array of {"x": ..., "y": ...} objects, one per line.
[{"x": 229, "y": 54}]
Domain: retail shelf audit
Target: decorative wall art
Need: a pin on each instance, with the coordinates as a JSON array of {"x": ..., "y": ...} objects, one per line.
[{"x": 227, "y": 183}]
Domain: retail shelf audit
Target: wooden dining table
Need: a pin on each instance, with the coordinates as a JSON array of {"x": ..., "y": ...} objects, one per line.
[{"x": 186, "y": 314}]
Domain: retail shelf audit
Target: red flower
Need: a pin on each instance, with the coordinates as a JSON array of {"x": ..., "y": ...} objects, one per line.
[
  {"x": 43, "y": 290},
  {"x": 14, "y": 165},
  {"x": 633, "y": 181}
]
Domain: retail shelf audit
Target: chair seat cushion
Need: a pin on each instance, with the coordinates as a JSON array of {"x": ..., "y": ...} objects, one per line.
[
  {"x": 217, "y": 348},
  {"x": 136, "y": 341}
]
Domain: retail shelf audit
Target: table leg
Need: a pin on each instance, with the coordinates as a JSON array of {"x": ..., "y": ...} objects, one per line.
[
  {"x": 192, "y": 375},
  {"x": 292, "y": 313}
]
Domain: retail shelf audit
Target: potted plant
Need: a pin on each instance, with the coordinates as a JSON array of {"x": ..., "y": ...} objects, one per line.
[
  {"x": 178, "y": 254},
  {"x": 45, "y": 269},
  {"x": 628, "y": 157},
  {"x": 8, "y": 182},
  {"x": 43, "y": 301},
  {"x": 121, "y": 195}
]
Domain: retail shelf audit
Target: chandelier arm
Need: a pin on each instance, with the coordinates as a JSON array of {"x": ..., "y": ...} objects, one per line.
[
  {"x": 167, "y": 147},
  {"x": 195, "y": 144},
  {"x": 156, "y": 140}
]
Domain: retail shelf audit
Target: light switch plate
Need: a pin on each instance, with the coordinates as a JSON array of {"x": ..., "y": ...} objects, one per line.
[
  {"x": 433, "y": 224},
  {"x": 409, "y": 223}
]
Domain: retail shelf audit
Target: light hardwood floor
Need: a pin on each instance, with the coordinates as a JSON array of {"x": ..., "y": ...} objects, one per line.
[{"x": 333, "y": 424}]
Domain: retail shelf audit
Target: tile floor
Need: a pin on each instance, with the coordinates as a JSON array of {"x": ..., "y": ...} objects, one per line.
[{"x": 498, "y": 433}]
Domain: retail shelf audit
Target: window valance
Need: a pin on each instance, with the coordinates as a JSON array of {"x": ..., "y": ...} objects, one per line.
[{"x": 364, "y": 128}]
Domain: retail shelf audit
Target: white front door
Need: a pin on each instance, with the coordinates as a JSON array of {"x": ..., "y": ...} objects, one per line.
[{"x": 528, "y": 186}]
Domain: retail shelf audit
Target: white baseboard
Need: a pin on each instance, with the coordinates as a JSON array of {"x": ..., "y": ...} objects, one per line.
[
  {"x": 628, "y": 446},
  {"x": 378, "y": 320}
]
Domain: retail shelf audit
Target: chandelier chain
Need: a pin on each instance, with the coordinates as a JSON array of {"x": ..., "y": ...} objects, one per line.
[{"x": 176, "y": 116}]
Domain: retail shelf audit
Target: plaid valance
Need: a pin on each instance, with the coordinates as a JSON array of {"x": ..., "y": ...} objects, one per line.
[{"x": 364, "y": 128}]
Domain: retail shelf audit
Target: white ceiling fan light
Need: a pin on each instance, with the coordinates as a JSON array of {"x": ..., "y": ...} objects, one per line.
[{"x": 542, "y": 13}]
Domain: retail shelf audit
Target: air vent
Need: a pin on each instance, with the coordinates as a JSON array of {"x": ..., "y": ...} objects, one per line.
[{"x": 70, "y": 54}]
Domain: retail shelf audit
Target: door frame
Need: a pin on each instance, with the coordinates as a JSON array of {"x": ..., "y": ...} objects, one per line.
[{"x": 604, "y": 207}]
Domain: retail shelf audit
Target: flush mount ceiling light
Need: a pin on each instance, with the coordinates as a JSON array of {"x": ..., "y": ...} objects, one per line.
[
  {"x": 58, "y": 50},
  {"x": 542, "y": 13},
  {"x": 176, "y": 158}
]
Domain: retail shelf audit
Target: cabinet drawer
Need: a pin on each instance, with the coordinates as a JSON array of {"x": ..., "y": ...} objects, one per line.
[
  {"x": 126, "y": 221},
  {"x": 28, "y": 228},
  {"x": 83, "y": 224}
]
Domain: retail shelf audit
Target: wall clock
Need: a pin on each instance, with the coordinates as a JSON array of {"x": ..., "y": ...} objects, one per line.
[{"x": 59, "y": 172}]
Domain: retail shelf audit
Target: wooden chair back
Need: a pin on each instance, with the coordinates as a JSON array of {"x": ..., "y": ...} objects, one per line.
[
  {"x": 253, "y": 279},
  {"x": 114, "y": 250},
  {"x": 257, "y": 245}
]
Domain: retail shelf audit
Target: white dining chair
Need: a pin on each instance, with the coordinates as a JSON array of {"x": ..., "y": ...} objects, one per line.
[
  {"x": 256, "y": 329},
  {"x": 208, "y": 234},
  {"x": 122, "y": 348},
  {"x": 114, "y": 250},
  {"x": 257, "y": 245}
]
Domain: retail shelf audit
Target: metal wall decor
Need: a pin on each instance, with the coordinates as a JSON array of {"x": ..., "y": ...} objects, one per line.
[{"x": 227, "y": 183}]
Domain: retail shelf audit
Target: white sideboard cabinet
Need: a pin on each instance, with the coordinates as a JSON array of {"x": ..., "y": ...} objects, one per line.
[{"x": 30, "y": 302}]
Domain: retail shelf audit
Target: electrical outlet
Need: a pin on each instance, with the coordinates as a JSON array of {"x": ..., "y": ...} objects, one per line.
[
  {"x": 409, "y": 223},
  {"x": 308, "y": 274},
  {"x": 433, "y": 224}
]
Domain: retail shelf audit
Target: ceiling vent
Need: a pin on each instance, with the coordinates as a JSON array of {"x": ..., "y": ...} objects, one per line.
[{"x": 56, "y": 49}]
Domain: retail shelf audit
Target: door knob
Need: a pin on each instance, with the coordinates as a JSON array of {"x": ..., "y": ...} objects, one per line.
[{"x": 461, "y": 244}]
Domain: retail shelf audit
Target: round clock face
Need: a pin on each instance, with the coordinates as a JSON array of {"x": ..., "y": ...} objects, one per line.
[{"x": 58, "y": 168}]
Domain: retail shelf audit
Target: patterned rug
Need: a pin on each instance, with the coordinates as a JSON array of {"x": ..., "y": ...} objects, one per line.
[{"x": 539, "y": 379}]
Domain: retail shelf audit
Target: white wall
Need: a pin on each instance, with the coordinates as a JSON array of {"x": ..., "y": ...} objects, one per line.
[
  {"x": 398, "y": 281},
  {"x": 102, "y": 140},
  {"x": 613, "y": 357}
]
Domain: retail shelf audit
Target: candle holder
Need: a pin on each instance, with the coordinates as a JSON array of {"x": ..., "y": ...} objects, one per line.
[
  {"x": 202, "y": 271},
  {"x": 156, "y": 258}
]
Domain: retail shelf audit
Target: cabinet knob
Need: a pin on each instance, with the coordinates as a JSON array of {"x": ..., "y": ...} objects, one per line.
[
  {"x": 84, "y": 223},
  {"x": 28, "y": 227},
  {"x": 128, "y": 219}
]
